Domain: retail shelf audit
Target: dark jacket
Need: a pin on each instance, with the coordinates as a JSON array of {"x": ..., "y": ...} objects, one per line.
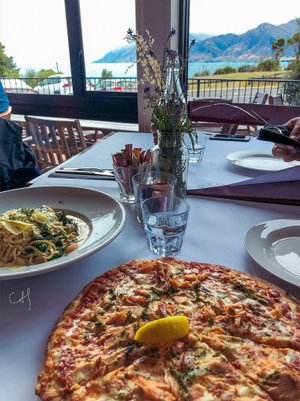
[{"x": 17, "y": 161}]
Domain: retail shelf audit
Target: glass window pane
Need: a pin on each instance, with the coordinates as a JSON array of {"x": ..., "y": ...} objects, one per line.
[
  {"x": 34, "y": 34},
  {"x": 104, "y": 26},
  {"x": 236, "y": 55}
]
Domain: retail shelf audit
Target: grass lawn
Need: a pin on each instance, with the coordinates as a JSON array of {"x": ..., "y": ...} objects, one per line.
[{"x": 281, "y": 74}]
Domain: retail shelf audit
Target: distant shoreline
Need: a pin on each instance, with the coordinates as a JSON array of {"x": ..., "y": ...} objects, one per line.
[{"x": 119, "y": 69}]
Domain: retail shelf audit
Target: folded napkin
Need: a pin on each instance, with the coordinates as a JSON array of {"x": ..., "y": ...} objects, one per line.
[{"x": 282, "y": 186}]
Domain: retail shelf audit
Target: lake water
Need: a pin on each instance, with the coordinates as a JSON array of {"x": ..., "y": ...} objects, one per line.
[
  {"x": 129, "y": 70},
  {"x": 123, "y": 70}
]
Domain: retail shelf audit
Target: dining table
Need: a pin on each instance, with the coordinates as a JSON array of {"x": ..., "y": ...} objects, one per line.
[{"x": 216, "y": 230}]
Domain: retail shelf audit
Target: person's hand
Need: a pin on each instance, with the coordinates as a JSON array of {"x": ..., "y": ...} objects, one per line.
[{"x": 286, "y": 152}]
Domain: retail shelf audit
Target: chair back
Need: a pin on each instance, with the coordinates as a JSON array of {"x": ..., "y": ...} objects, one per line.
[
  {"x": 276, "y": 100},
  {"x": 54, "y": 141},
  {"x": 260, "y": 98},
  {"x": 6, "y": 114}
]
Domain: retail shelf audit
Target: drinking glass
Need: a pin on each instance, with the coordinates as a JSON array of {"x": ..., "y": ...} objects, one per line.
[
  {"x": 164, "y": 224},
  {"x": 196, "y": 153},
  {"x": 123, "y": 176},
  {"x": 152, "y": 184}
]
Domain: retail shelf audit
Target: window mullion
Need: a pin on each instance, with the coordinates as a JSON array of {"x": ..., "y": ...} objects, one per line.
[{"x": 75, "y": 46}]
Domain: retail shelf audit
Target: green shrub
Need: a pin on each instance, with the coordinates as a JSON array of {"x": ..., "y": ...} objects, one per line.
[
  {"x": 268, "y": 65},
  {"x": 247, "y": 68},
  {"x": 225, "y": 70},
  {"x": 294, "y": 70},
  {"x": 201, "y": 74}
]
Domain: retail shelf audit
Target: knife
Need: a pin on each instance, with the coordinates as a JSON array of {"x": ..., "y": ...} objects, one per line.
[{"x": 105, "y": 173}]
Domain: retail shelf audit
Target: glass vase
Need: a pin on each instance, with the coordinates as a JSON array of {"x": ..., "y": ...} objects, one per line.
[{"x": 171, "y": 156}]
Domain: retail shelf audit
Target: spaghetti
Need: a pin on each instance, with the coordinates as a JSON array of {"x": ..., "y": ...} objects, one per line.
[{"x": 31, "y": 236}]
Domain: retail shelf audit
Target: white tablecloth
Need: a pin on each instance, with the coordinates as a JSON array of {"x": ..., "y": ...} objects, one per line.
[{"x": 215, "y": 234}]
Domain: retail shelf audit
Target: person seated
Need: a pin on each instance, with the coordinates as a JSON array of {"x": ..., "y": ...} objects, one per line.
[
  {"x": 4, "y": 102},
  {"x": 287, "y": 152}
]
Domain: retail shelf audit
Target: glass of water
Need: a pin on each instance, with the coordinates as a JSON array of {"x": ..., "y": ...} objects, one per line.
[
  {"x": 196, "y": 152},
  {"x": 152, "y": 184},
  {"x": 165, "y": 224}
]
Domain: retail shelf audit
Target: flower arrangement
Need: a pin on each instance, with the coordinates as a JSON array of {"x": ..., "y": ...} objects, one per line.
[
  {"x": 166, "y": 98},
  {"x": 165, "y": 95}
]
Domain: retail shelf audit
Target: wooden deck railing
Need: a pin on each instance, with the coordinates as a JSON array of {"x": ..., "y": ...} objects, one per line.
[{"x": 234, "y": 90}]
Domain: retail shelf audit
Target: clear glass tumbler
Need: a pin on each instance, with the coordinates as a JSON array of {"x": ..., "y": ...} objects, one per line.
[
  {"x": 152, "y": 184},
  {"x": 123, "y": 176},
  {"x": 165, "y": 224},
  {"x": 196, "y": 153}
]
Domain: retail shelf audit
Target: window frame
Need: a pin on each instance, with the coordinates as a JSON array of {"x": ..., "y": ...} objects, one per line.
[{"x": 105, "y": 106}]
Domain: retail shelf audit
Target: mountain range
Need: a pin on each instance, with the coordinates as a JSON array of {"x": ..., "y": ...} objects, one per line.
[{"x": 255, "y": 44}]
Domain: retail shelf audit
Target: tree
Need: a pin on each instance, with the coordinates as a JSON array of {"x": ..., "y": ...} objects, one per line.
[
  {"x": 106, "y": 73},
  {"x": 268, "y": 65},
  {"x": 8, "y": 68},
  {"x": 278, "y": 46},
  {"x": 35, "y": 77},
  {"x": 291, "y": 89},
  {"x": 294, "y": 41}
]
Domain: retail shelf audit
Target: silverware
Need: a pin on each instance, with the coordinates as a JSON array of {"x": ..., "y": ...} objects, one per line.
[{"x": 86, "y": 170}]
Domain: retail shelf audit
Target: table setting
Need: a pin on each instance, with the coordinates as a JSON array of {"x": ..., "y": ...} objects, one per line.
[
  {"x": 185, "y": 270},
  {"x": 218, "y": 230}
]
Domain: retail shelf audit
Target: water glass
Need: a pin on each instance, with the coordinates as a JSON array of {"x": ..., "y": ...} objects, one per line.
[
  {"x": 152, "y": 184},
  {"x": 165, "y": 224},
  {"x": 123, "y": 176},
  {"x": 196, "y": 153}
]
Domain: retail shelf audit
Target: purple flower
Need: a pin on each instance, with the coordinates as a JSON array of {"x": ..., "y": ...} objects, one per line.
[
  {"x": 130, "y": 32},
  {"x": 172, "y": 32},
  {"x": 147, "y": 90},
  {"x": 172, "y": 54},
  {"x": 151, "y": 53},
  {"x": 193, "y": 42}
]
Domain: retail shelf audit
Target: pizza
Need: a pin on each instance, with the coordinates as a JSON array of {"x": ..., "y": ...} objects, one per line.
[{"x": 243, "y": 343}]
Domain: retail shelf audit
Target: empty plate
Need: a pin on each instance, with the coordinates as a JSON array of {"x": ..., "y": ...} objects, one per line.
[
  {"x": 275, "y": 245},
  {"x": 256, "y": 160}
]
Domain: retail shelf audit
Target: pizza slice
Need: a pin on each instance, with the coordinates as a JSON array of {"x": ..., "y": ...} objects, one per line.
[
  {"x": 187, "y": 369},
  {"x": 274, "y": 370}
]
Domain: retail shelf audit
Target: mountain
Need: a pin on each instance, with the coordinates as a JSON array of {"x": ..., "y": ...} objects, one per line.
[
  {"x": 126, "y": 54},
  {"x": 253, "y": 44}
]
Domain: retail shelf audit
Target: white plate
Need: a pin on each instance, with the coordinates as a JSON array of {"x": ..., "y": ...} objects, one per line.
[
  {"x": 104, "y": 215},
  {"x": 275, "y": 245},
  {"x": 256, "y": 160}
]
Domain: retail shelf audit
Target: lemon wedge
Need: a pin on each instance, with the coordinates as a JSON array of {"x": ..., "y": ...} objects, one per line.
[{"x": 163, "y": 330}]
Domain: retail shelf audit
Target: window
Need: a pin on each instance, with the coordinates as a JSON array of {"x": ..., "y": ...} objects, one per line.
[
  {"x": 104, "y": 26},
  {"x": 64, "y": 35}
]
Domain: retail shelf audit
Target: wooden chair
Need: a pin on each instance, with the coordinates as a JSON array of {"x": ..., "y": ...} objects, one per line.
[
  {"x": 54, "y": 141},
  {"x": 276, "y": 100},
  {"x": 6, "y": 114},
  {"x": 260, "y": 98}
]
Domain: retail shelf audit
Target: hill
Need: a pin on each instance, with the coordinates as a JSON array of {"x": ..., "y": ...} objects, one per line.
[{"x": 253, "y": 44}]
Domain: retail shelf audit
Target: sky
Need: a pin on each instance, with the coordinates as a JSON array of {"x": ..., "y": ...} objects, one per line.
[
  {"x": 34, "y": 31},
  {"x": 237, "y": 16}
]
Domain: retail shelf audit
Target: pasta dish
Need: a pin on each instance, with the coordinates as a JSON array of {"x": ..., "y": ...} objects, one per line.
[{"x": 30, "y": 236}]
